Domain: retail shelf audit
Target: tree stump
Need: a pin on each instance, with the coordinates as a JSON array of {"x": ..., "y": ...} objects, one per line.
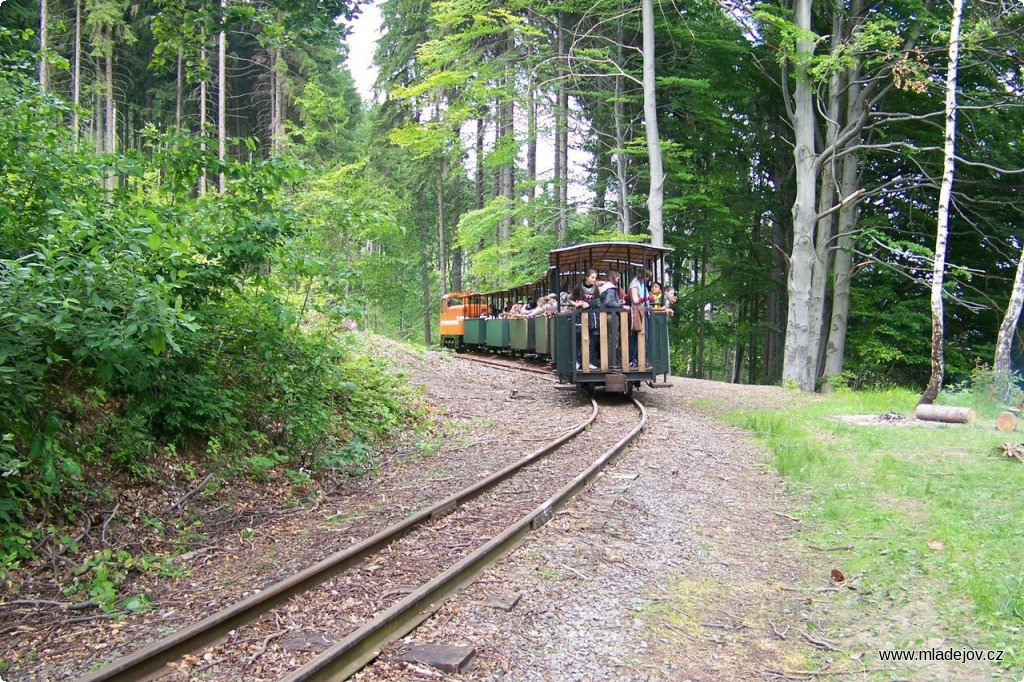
[
  {"x": 1006, "y": 422},
  {"x": 946, "y": 414}
]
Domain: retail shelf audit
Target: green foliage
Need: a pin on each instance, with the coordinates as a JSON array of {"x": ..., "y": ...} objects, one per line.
[
  {"x": 985, "y": 391},
  {"x": 931, "y": 519},
  {"x": 888, "y": 345},
  {"x": 520, "y": 260},
  {"x": 146, "y": 319},
  {"x": 100, "y": 577}
]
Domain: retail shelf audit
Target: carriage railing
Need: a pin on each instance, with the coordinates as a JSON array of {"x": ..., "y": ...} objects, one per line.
[{"x": 611, "y": 335}]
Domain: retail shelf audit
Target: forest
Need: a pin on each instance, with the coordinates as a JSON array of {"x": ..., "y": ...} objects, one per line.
[{"x": 197, "y": 204}]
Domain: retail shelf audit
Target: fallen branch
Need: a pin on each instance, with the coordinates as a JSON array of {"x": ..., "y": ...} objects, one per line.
[
  {"x": 837, "y": 548},
  {"x": 16, "y": 628},
  {"x": 811, "y": 674},
  {"x": 86, "y": 619},
  {"x": 820, "y": 643},
  {"x": 208, "y": 664},
  {"x": 45, "y": 602},
  {"x": 103, "y": 532},
  {"x": 263, "y": 647},
  {"x": 184, "y": 498},
  {"x": 780, "y": 635},
  {"x": 679, "y": 630},
  {"x": 425, "y": 672},
  {"x": 786, "y": 516}
]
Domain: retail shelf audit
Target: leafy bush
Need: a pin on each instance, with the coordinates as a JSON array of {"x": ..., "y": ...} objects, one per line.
[
  {"x": 984, "y": 391},
  {"x": 144, "y": 319}
]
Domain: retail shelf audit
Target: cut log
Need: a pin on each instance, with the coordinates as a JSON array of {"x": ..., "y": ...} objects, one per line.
[
  {"x": 945, "y": 413},
  {"x": 1006, "y": 422}
]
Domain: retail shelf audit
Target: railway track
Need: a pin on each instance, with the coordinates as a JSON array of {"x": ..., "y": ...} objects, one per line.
[
  {"x": 358, "y": 589},
  {"x": 508, "y": 363}
]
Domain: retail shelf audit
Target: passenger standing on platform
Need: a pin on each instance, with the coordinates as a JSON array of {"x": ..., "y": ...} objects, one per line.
[
  {"x": 611, "y": 301},
  {"x": 639, "y": 301},
  {"x": 584, "y": 298}
]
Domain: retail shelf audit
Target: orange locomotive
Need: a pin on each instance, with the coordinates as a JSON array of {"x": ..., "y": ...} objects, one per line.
[{"x": 456, "y": 307}]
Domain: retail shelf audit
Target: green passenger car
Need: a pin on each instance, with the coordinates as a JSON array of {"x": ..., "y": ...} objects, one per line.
[
  {"x": 475, "y": 332},
  {"x": 541, "y": 335},
  {"x": 522, "y": 335},
  {"x": 497, "y": 334}
]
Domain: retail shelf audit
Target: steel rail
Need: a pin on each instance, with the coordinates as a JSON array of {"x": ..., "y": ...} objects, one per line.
[
  {"x": 142, "y": 663},
  {"x": 351, "y": 654},
  {"x": 515, "y": 366}
]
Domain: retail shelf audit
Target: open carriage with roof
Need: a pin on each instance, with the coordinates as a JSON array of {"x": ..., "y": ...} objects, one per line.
[{"x": 616, "y": 350}]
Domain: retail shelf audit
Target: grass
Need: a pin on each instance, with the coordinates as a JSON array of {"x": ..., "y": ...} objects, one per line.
[{"x": 934, "y": 517}]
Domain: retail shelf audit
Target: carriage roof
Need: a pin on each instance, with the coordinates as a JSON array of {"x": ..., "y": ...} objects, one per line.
[{"x": 605, "y": 255}]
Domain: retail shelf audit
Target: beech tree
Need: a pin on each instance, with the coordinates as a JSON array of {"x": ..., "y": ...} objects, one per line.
[
  {"x": 1002, "y": 365},
  {"x": 655, "y": 199},
  {"x": 851, "y": 96}
]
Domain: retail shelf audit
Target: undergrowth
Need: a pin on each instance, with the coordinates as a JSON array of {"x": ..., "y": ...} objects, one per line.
[{"x": 932, "y": 516}]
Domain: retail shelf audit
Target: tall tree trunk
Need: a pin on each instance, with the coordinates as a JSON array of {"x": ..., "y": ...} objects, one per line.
[
  {"x": 76, "y": 74},
  {"x": 506, "y": 114},
  {"x": 1003, "y": 366},
  {"x": 425, "y": 280},
  {"x": 835, "y": 351},
  {"x": 755, "y": 311},
  {"x": 273, "y": 103},
  {"x": 110, "y": 137},
  {"x": 931, "y": 391},
  {"x": 701, "y": 266},
  {"x": 563, "y": 150},
  {"x": 824, "y": 234},
  {"x": 740, "y": 344},
  {"x": 479, "y": 171},
  {"x": 556, "y": 173},
  {"x": 97, "y": 106},
  {"x": 562, "y": 137},
  {"x": 531, "y": 149},
  {"x": 202, "y": 118},
  {"x": 44, "y": 45},
  {"x": 222, "y": 135},
  {"x": 655, "y": 199},
  {"x": 618, "y": 113},
  {"x": 278, "y": 109},
  {"x": 442, "y": 246},
  {"x": 457, "y": 250},
  {"x": 179, "y": 94},
  {"x": 798, "y": 363}
]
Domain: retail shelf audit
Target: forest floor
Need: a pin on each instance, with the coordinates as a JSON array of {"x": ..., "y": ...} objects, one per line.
[{"x": 687, "y": 560}]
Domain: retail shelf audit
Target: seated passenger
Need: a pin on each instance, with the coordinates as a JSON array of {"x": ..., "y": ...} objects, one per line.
[{"x": 546, "y": 305}]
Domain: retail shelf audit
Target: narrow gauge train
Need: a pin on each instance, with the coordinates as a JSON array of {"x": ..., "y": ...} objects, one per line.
[{"x": 565, "y": 339}]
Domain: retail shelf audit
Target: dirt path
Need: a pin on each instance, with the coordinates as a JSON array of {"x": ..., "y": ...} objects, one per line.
[{"x": 681, "y": 563}]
